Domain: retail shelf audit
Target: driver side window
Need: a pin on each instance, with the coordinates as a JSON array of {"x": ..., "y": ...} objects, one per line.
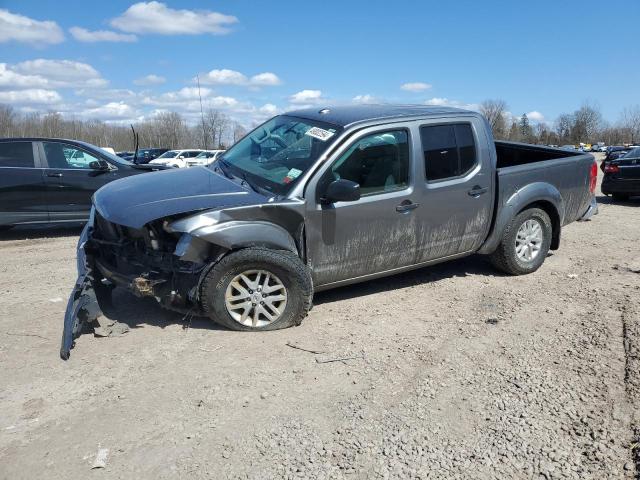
[
  {"x": 379, "y": 163},
  {"x": 60, "y": 155}
]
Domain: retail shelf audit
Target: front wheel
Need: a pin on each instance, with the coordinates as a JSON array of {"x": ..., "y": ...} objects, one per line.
[
  {"x": 525, "y": 243},
  {"x": 257, "y": 289}
]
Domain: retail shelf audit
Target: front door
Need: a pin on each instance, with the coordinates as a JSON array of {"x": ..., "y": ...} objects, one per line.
[
  {"x": 347, "y": 240},
  {"x": 71, "y": 181}
]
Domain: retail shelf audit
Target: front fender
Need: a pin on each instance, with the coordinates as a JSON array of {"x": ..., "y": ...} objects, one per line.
[
  {"x": 510, "y": 206},
  {"x": 241, "y": 234}
]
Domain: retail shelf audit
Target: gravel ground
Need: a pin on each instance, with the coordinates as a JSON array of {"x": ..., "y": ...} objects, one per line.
[{"x": 452, "y": 371}]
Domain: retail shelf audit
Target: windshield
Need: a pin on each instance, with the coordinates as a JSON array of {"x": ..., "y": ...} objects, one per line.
[
  {"x": 170, "y": 154},
  {"x": 635, "y": 153},
  {"x": 205, "y": 154},
  {"x": 279, "y": 151}
]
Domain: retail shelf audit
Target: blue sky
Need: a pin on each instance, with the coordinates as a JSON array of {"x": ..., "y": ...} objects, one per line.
[{"x": 124, "y": 60}]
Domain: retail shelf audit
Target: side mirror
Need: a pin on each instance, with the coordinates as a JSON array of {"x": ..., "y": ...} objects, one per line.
[
  {"x": 181, "y": 157},
  {"x": 99, "y": 165},
  {"x": 341, "y": 191}
]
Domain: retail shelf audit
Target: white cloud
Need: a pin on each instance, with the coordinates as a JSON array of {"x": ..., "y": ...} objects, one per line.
[
  {"x": 33, "y": 96},
  {"x": 232, "y": 77},
  {"x": 111, "y": 111},
  {"x": 266, "y": 79},
  {"x": 535, "y": 116},
  {"x": 61, "y": 73},
  {"x": 12, "y": 80},
  {"x": 269, "y": 109},
  {"x": 150, "y": 80},
  {"x": 223, "y": 77},
  {"x": 306, "y": 96},
  {"x": 156, "y": 17},
  {"x": 187, "y": 99},
  {"x": 415, "y": 86},
  {"x": 84, "y": 35},
  {"x": 445, "y": 102},
  {"x": 14, "y": 27},
  {"x": 365, "y": 99}
]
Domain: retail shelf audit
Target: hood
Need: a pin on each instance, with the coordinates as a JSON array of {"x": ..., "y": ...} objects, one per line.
[{"x": 139, "y": 199}]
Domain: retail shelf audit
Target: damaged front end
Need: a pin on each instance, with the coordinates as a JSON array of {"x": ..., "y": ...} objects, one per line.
[{"x": 149, "y": 262}]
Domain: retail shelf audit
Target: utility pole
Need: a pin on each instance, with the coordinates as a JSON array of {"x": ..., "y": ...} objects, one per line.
[{"x": 204, "y": 130}]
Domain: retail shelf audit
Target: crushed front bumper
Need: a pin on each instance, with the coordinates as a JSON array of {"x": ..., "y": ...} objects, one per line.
[{"x": 82, "y": 306}]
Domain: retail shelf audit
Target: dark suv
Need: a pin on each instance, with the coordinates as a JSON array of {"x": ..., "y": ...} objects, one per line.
[{"x": 48, "y": 180}]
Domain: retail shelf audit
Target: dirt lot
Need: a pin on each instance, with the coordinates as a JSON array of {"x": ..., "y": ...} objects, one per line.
[{"x": 458, "y": 372}]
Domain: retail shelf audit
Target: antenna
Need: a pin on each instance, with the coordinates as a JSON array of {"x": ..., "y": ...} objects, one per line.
[
  {"x": 135, "y": 143},
  {"x": 204, "y": 131}
]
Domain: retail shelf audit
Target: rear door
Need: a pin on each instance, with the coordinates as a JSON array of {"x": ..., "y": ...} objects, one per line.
[
  {"x": 456, "y": 188},
  {"x": 22, "y": 197},
  {"x": 70, "y": 180}
]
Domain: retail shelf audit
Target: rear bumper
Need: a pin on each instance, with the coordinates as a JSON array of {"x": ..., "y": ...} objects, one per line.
[
  {"x": 618, "y": 185},
  {"x": 591, "y": 210}
]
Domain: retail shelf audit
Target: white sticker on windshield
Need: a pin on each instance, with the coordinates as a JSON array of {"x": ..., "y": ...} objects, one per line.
[
  {"x": 319, "y": 133},
  {"x": 294, "y": 173}
]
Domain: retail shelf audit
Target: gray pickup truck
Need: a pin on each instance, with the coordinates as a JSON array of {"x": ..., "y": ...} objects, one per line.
[{"x": 316, "y": 199}]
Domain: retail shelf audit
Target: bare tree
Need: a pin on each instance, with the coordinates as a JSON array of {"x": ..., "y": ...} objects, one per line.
[
  {"x": 630, "y": 122},
  {"x": 587, "y": 122},
  {"x": 495, "y": 111},
  {"x": 7, "y": 121},
  {"x": 238, "y": 132}
]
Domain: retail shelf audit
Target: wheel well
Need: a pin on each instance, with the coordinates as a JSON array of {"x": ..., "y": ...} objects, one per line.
[{"x": 550, "y": 210}]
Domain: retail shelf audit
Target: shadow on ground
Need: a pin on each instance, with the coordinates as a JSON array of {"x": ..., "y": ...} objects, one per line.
[
  {"x": 606, "y": 200},
  {"x": 28, "y": 232},
  {"x": 137, "y": 312}
]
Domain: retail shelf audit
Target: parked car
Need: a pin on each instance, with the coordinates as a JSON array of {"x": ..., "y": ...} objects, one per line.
[
  {"x": 50, "y": 180},
  {"x": 612, "y": 153},
  {"x": 316, "y": 199},
  {"x": 145, "y": 155},
  {"x": 124, "y": 154},
  {"x": 569, "y": 148},
  {"x": 622, "y": 176},
  {"x": 175, "y": 158},
  {"x": 204, "y": 158}
]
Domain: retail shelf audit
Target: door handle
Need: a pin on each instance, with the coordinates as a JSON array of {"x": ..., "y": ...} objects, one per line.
[
  {"x": 407, "y": 207},
  {"x": 477, "y": 191},
  {"x": 56, "y": 175}
]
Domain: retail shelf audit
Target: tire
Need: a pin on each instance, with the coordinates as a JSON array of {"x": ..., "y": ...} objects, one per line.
[
  {"x": 620, "y": 197},
  {"x": 506, "y": 257},
  {"x": 285, "y": 269}
]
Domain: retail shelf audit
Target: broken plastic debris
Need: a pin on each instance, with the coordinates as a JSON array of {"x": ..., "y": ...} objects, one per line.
[
  {"x": 101, "y": 458},
  {"x": 110, "y": 328}
]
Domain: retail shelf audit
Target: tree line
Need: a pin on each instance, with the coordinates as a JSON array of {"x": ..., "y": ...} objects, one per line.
[
  {"x": 164, "y": 130},
  {"x": 585, "y": 125},
  {"x": 217, "y": 130}
]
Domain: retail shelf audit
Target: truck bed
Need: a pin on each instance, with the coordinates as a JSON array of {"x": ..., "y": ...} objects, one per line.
[{"x": 510, "y": 154}]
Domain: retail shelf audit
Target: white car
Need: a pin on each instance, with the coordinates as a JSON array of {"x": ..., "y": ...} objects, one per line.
[
  {"x": 175, "y": 158},
  {"x": 204, "y": 158}
]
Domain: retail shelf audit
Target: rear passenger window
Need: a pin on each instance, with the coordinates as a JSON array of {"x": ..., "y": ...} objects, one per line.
[
  {"x": 449, "y": 151},
  {"x": 16, "y": 154}
]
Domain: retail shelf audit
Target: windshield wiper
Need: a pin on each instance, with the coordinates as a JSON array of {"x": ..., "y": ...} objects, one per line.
[
  {"x": 247, "y": 182},
  {"x": 225, "y": 170}
]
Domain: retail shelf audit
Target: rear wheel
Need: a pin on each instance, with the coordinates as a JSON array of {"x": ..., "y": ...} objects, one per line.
[
  {"x": 257, "y": 289},
  {"x": 525, "y": 243}
]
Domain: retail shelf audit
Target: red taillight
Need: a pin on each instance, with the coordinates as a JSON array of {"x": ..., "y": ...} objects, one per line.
[
  {"x": 611, "y": 168},
  {"x": 593, "y": 177}
]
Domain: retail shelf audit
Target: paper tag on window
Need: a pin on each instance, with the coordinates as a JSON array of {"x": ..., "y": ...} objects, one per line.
[
  {"x": 319, "y": 133},
  {"x": 294, "y": 173}
]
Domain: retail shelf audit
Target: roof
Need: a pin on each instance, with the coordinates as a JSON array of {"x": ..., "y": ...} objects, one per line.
[{"x": 348, "y": 115}]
